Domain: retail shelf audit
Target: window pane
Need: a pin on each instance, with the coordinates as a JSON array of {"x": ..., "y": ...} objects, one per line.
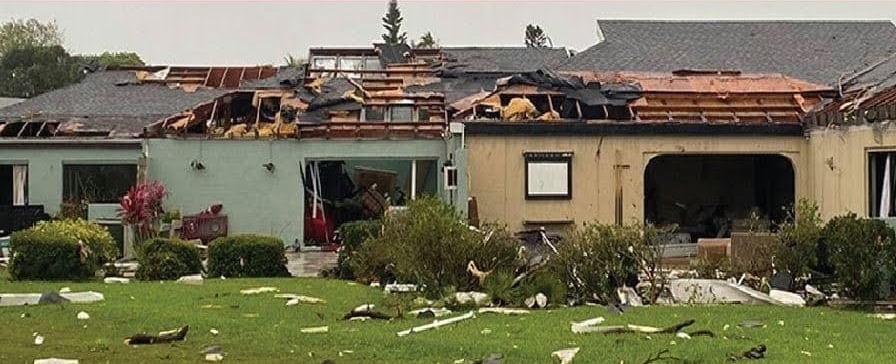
[
  {"x": 373, "y": 113},
  {"x": 548, "y": 179},
  {"x": 99, "y": 183},
  {"x": 401, "y": 113},
  {"x": 324, "y": 62},
  {"x": 372, "y": 64}
]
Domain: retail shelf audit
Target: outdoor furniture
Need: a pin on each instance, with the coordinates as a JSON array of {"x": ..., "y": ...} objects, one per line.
[{"x": 205, "y": 227}]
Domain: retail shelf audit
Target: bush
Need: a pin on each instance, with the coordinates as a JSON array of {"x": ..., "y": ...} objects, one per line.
[
  {"x": 596, "y": 259},
  {"x": 43, "y": 255},
  {"x": 797, "y": 240},
  {"x": 247, "y": 255},
  {"x": 862, "y": 253},
  {"x": 162, "y": 259},
  {"x": 430, "y": 245},
  {"x": 97, "y": 238},
  {"x": 353, "y": 235}
]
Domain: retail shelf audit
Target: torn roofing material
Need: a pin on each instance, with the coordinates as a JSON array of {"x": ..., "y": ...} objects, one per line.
[
  {"x": 816, "y": 51},
  {"x": 110, "y": 101},
  {"x": 502, "y": 59},
  {"x": 285, "y": 77}
]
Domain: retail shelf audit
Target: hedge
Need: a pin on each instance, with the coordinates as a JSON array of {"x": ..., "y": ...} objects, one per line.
[
  {"x": 247, "y": 255},
  {"x": 353, "y": 235},
  {"x": 42, "y": 255},
  {"x": 163, "y": 259},
  {"x": 97, "y": 237}
]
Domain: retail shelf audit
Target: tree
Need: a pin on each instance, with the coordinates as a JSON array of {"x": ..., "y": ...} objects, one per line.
[
  {"x": 427, "y": 41},
  {"x": 32, "y": 70},
  {"x": 392, "y": 24},
  {"x": 535, "y": 37},
  {"x": 293, "y": 61},
  {"x": 119, "y": 59},
  {"x": 19, "y": 33}
]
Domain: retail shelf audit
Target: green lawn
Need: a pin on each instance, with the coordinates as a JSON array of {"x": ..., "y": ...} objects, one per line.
[{"x": 273, "y": 335}]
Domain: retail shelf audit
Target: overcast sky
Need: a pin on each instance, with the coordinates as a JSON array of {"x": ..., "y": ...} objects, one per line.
[{"x": 248, "y": 33}]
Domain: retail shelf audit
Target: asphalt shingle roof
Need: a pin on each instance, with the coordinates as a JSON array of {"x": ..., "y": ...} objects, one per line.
[
  {"x": 109, "y": 100},
  {"x": 504, "y": 59},
  {"x": 815, "y": 51}
]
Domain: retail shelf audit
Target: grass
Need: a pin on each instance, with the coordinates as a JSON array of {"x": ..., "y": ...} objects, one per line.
[{"x": 273, "y": 335}]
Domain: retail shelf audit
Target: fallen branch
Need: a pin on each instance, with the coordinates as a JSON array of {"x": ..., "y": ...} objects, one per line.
[
  {"x": 161, "y": 338},
  {"x": 437, "y": 324},
  {"x": 638, "y": 329}
]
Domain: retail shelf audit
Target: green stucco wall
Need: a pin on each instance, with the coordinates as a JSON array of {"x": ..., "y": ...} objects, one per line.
[
  {"x": 45, "y": 161},
  {"x": 254, "y": 199}
]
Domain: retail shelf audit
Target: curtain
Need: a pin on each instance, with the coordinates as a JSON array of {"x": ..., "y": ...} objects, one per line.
[
  {"x": 19, "y": 180},
  {"x": 886, "y": 190}
]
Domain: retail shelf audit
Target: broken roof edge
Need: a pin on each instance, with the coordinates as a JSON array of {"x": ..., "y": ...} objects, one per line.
[{"x": 613, "y": 127}]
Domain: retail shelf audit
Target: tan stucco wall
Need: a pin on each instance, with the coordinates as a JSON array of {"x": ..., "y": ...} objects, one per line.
[
  {"x": 497, "y": 171},
  {"x": 838, "y": 166}
]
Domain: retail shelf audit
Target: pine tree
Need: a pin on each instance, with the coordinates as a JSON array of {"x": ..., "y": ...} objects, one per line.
[
  {"x": 392, "y": 23},
  {"x": 535, "y": 37}
]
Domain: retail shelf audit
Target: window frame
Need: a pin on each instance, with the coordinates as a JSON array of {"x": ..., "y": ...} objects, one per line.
[
  {"x": 548, "y": 157},
  {"x": 66, "y": 165}
]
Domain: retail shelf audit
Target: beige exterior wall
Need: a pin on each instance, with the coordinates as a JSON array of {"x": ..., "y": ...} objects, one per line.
[
  {"x": 496, "y": 169},
  {"x": 838, "y": 166}
]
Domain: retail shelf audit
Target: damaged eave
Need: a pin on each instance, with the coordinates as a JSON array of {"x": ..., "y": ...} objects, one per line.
[{"x": 614, "y": 127}]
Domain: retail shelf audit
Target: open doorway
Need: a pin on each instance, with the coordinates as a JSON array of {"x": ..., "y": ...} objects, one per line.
[
  {"x": 341, "y": 191},
  {"x": 711, "y": 196}
]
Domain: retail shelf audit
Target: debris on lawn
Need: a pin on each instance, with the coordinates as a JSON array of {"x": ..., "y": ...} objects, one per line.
[
  {"x": 884, "y": 316},
  {"x": 586, "y": 326},
  {"x": 28, "y": 299},
  {"x": 214, "y": 331},
  {"x": 366, "y": 311},
  {"x": 430, "y": 312},
  {"x": 713, "y": 291},
  {"x": 395, "y": 287},
  {"x": 437, "y": 324},
  {"x": 757, "y": 352},
  {"x": 682, "y": 335},
  {"x": 211, "y": 349},
  {"x": 628, "y": 297},
  {"x": 539, "y": 300},
  {"x": 295, "y": 299},
  {"x": 503, "y": 310},
  {"x": 38, "y": 339},
  {"x": 620, "y": 329},
  {"x": 55, "y": 361},
  {"x": 192, "y": 279},
  {"x": 751, "y": 323},
  {"x": 486, "y": 331},
  {"x": 476, "y": 298},
  {"x": 787, "y": 298},
  {"x": 65, "y": 290},
  {"x": 259, "y": 290},
  {"x": 493, "y": 358},
  {"x": 109, "y": 280},
  {"x": 565, "y": 355},
  {"x": 162, "y": 337},
  {"x": 26, "y": 315},
  {"x": 83, "y": 315},
  {"x": 214, "y": 357},
  {"x": 806, "y": 353},
  {"x": 315, "y": 330}
]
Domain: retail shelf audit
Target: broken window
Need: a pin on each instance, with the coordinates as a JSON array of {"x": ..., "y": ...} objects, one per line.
[
  {"x": 97, "y": 183},
  {"x": 881, "y": 184},
  {"x": 548, "y": 175},
  {"x": 14, "y": 182},
  {"x": 351, "y": 63},
  {"x": 371, "y": 63}
]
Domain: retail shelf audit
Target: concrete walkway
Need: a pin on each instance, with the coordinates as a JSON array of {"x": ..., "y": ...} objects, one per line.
[{"x": 309, "y": 264}]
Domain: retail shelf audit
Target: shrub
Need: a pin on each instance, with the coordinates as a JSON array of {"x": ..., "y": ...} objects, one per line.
[
  {"x": 97, "y": 238},
  {"x": 862, "y": 253},
  {"x": 43, "y": 255},
  {"x": 429, "y": 245},
  {"x": 354, "y": 234},
  {"x": 596, "y": 259},
  {"x": 162, "y": 259},
  {"x": 797, "y": 240},
  {"x": 247, "y": 255}
]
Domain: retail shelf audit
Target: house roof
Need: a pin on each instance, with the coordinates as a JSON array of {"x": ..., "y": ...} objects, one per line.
[
  {"x": 111, "y": 101},
  {"x": 6, "y": 101},
  {"x": 816, "y": 51},
  {"x": 503, "y": 59}
]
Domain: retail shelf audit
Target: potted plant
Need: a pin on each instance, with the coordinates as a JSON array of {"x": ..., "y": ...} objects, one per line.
[{"x": 141, "y": 214}]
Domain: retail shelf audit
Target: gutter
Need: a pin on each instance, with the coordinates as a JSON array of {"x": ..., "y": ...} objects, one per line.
[{"x": 74, "y": 143}]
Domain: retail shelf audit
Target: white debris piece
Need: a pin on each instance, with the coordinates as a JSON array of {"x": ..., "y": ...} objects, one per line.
[
  {"x": 437, "y": 324},
  {"x": 541, "y": 300},
  {"x": 884, "y": 316},
  {"x": 259, "y": 290},
  {"x": 30, "y": 299},
  {"x": 193, "y": 279},
  {"x": 214, "y": 357},
  {"x": 364, "y": 308},
  {"x": 359, "y": 318},
  {"x": 476, "y": 298},
  {"x": 110, "y": 280},
  {"x": 38, "y": 340},
  {"x": 55, "y": 361},
  {"x": 683, "y": 335},
  {"x": 585, "y": 326},
  {"x": 504, "y": 310},
  {"x": 628, "y": 296},
  {"x": 565, "y": 355},
  {"x": 65, "y": 290},
  {"x": 315, "y": 330},
  {"x": 395, "y": 287},
  {"x": 214, "y": 331},
  {"x": 787, "y": 298},
  {"x": 295, "y": 299},
  {"x": 83, "y": 315}
]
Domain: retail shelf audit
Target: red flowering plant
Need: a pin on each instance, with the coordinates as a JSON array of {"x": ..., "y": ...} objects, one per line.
[{"x": 141, "y": 207}]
